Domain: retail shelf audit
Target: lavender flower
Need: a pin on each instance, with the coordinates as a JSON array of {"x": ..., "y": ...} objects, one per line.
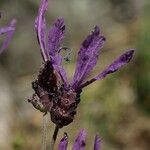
[
  {"x": 53, "y": 92},
  {"x": 8, "y": 30},
  {"x": 79, "y": 143},
  {"x": 63, "y": 143}
]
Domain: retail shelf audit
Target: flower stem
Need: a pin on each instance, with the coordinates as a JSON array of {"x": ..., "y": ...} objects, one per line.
[
  {"x": 44, "y": 132},
  {"x": 54, "y": 137}
]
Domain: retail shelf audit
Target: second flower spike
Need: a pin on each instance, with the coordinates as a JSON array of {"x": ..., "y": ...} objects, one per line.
[{"x": 80, "y": 142}]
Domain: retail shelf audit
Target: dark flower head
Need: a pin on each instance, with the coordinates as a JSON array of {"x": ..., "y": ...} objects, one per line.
[
  {"x": 79, "y": 143},
  {"x": 53, "y": 92},
  {"x": 8, "y": 31}
]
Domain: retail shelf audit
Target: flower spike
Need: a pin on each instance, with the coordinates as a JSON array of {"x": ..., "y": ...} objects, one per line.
[{"x": 53, "y": 93}]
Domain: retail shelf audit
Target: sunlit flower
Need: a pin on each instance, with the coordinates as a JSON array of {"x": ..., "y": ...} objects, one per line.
[
  {"x": 54, "y": 93},
  {"x": 8, "y": 31},
  {"x": 79, "y": 143}
]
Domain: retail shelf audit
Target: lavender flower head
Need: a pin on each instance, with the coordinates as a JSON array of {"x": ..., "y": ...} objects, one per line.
[
  {"x": 79, "y": 143},
  {"x": 8, "y": 31},
  {"x": 53, "y": 92}
]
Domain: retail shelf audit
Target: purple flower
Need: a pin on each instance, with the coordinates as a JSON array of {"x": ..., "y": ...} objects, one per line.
[
  {"x": 8, "y": 30},
  {"x": 79, "y": 143},
  {"x": 63, "y": 143},
  {"x": 53, "y": 92}
]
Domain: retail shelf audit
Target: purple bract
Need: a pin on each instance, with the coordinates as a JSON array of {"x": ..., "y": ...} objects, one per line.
[
  {"x": 8, "y": 30},
  {"x": 54, "y": 93},
  {"x": 87, "y": 55},
  {"x": 79, "y": 143}
]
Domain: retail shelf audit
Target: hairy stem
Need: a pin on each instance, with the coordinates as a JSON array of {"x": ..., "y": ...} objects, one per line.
[
  {"x": 44, "y": 132},
  {"x": 54, "y": 137}
]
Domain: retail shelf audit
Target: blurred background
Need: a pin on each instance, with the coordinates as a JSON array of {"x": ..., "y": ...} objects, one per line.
[{"x": 118, "y": 107}]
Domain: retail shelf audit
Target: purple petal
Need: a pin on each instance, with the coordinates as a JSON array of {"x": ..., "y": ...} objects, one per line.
[
  {"x": 80, "y": 141},
  {"x": 63, "y": 143},
  {"x": 97, "y": 143},
  {"x": 62, "y": 74},
  {"x": 6, "y": 29},
  {"x": 117, "y": 64},
  {"x": 40, "y": 26},
  {"x": 55, "y": 36},
  {"x": 9, "y": 34},
  {"x": 56, "y": 62},
  {"x": 87, "y": 56}
]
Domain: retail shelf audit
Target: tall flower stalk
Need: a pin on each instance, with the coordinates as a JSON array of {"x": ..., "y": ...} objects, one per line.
[{"x": 53, "y": 92}]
